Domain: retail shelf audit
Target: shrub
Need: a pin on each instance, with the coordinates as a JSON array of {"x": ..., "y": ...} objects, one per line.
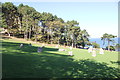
[
  {"x": 111, "y": 48},
  {"x": 95, "y": 45}
]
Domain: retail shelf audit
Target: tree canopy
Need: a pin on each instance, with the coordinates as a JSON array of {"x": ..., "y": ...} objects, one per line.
[
  {"x": 108, "y": 38},
  {"x": 25, "y": 22}
]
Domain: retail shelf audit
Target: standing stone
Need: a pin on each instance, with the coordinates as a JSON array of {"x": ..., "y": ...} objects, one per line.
[
  {"x": 70, "y": 53},
  {"x": 90, "y": 49},
  {"x": 101, "y": 51},
  {"x": 56, "y": 46},
  {"x": 39, "y": 49},
  {"x": 61, "y": 50},
  {"x": 71, "y": 48},
  {"x": 30, "y": 44},
  {"x": 21, "y": 45},
  {"x": 93, "y": 52},
  {"x": 43, "y": 44}
]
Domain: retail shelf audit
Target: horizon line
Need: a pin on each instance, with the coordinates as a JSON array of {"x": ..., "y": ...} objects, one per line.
[{"x": 61, "y": 1}]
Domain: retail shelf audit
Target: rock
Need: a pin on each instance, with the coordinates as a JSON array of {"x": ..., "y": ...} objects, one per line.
[
  {"x": 61, "y": 49},
  {"x": 39, "y": 49},
  {"x": 70, "y": 53},
  {"x": 21, "y": 45}
]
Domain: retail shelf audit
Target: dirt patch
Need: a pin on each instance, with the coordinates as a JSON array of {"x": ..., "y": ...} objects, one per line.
[
  {"x": 5, "y": 37},
  {"x": 32, "y": 42}
]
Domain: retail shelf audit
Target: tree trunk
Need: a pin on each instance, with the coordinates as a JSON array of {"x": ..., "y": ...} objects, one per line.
[
  {"x": 51, "y": 40},
  {"x": 58, "y": 42},
  {"x": 36, "y": 37},
  {"x": 30, "y": 33},
  {"x": 24, "y": 35},
  {"x": 72, "y": 44},
  {"x": 64, "y": 45},
  {"x": 20, "y": 24},
  {"x": 27, "y": 28},
  {"x": 75, "y": 45},
  {"x": 47, "y": 38},
  {"x": 67, "y": 43},
  {"x": 8, "y": 34},
  {"x": 13, "y": 34},
  {"x": 108, "y": 45}
]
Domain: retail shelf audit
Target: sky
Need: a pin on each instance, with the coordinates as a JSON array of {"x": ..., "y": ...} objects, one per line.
[{"x": 96, "y": 17}]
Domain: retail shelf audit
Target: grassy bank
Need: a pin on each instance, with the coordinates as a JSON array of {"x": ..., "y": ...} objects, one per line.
[{"x": 26, "y": 62}]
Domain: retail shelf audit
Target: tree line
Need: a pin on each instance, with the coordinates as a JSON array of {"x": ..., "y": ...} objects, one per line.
[{"x": 25, "y": 22}]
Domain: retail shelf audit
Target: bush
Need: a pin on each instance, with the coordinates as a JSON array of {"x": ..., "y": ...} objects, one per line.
[
  {"x": 111, "y": 48},
  {"x": 95, "y": 45}
]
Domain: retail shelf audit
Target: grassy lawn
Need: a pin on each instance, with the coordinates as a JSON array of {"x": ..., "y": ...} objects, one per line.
[{"x": 26, "y": 62}]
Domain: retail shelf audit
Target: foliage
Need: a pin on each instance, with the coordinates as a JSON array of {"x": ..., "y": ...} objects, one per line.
[
  {"x": 111, "y": 48},
  {"x": 108, "y": 38},
  {"x": 117, "y": 45},
  {"x": 95, "y": 45},
  {"x": 25, "y": 22},
  {"x": 9, "y": 16}
]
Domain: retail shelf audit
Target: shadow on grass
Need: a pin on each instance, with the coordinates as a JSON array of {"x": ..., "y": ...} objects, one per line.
[
  {"x": 5, "y": 37},
  {"x": 117, "y": 62},
  {"x": 50, "y": 49},
  {"x": 51, "y": 66},
  {"x": 25, "y": 48}
]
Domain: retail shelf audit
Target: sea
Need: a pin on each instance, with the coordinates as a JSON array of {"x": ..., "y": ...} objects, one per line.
[{"x": 100, "y": 42}]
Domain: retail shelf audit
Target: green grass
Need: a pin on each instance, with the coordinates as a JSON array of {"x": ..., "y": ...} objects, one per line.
[{"x": 28, "y": 63}]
